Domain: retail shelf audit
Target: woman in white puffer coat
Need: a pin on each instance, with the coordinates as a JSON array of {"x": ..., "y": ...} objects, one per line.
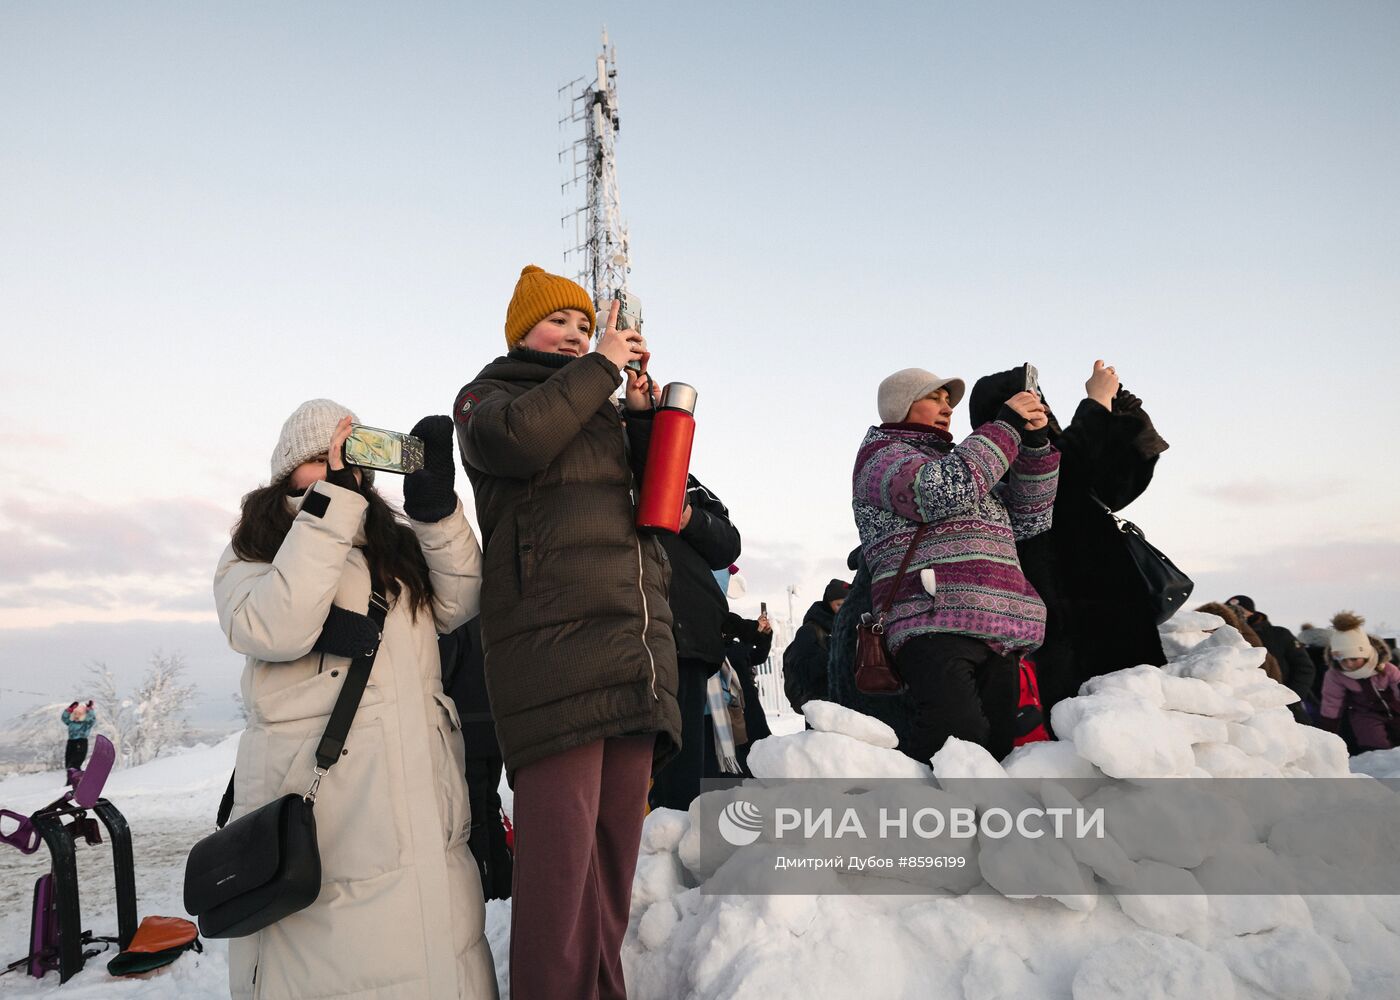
[{"x": 400, "y": 913}]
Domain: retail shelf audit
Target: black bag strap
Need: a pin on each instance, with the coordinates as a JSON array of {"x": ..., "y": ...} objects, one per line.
[
  {"x": 328, "y": 751},
  {"x": 225, "y": 804},
  {"x": 903, "y": 568},
  {"x": 347, "y": 703}
]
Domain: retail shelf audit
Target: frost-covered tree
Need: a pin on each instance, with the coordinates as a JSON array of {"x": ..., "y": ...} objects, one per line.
[
  {"x": 39, "y": 734},
  {"x": 152, "y": 720}
]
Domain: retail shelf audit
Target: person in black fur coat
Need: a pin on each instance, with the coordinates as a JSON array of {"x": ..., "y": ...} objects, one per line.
[{"x": 1098, "y": 616}]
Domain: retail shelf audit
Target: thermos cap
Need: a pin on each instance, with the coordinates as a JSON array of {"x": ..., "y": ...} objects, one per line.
[{"x": 679, "y": 396}]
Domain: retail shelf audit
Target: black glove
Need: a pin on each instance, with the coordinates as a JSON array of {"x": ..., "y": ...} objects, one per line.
[
  {"x": 1029, "y": 439},
  {"x": 427, "y": 493},
  {"x": 344, "y": 477},
  {"x": 1126, "y": 402},
  {"x": 347, "y": 634}
]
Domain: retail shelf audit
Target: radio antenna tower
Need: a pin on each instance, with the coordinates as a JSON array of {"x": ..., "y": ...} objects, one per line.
[{"x": 599, "y": 240}]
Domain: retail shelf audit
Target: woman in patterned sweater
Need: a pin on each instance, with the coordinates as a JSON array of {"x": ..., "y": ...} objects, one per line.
[{"x": 964, "y": 612}]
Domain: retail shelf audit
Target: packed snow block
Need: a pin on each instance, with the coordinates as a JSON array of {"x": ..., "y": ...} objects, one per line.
[
  {"x": 1248, "y": 739},
  {"x": 1325, "y": 755},
  {"x": 663, "y": 829},
  {"x": 1055, "y": 760},
  {"x": 948, "y": 929},
  {"x": 1357, "y": 855},
  {"x": 1177, "y": 823},
  {"x": 1144, "y": 682},
  {"x": 1222, "y": 760},
  {"x": 1186, "y": 630},
  {"x": 828, "y": 717},
  {"x": 904, "y": 798},
  {"x": 656, "y": 925},
  {"x": 1198, "y": 697},
  {"x": 1284, "y": 740},
  {"x": 1104, "y": 855},
  {"x": 1265, "y": 692},
  {"x": 1200, "y": 728},
  {"x": 1124, "y": 736},
  {"x": 1167, "y": 900},
  {"x": 658, "y": 876},
  {"x": 1233, "y": 915},
  {"x": 1223, "y": 658},
  {"x": 962, "y": 760},
  {"x": 1289, "y": 963},
  {"x": 995, "y": 972},
  {"x": 1382, "y": 764},
  {"x": 1023, "y": 869},
  {"x": 1150, "y": 966},
  {"x": 829, "y": 755}
]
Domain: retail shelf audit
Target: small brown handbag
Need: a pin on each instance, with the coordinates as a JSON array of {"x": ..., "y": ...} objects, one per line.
[{"x": 875, "y": 672}]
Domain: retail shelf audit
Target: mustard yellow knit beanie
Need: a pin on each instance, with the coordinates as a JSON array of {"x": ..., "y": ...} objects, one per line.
[{"x": 537, "y": 294}]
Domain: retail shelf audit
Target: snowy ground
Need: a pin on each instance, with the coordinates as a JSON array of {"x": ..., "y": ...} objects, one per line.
[{"x": 1210, "y": 712}]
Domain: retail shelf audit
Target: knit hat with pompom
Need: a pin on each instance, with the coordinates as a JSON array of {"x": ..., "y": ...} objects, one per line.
[
  {"x": 537, "y": 294},
  {"x": 1349, "y": 639}
]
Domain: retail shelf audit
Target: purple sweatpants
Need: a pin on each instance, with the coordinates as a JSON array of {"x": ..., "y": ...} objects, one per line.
[{"x": 578, "y": 825}]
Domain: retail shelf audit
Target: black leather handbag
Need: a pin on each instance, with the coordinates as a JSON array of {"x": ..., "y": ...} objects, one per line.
[
  {"x": 1167, "y": 586},
  {"x": 266, "y": 864}
]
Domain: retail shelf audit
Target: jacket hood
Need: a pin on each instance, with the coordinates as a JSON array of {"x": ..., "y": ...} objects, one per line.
[
  {"x": 820, "y": 613},
  {"x": 991, "y": 391}
]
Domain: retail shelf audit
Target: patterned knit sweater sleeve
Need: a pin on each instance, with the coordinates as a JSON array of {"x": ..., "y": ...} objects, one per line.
[
  {"x": 1030, "y": 491},
  {"x": 899, "y": 477}
]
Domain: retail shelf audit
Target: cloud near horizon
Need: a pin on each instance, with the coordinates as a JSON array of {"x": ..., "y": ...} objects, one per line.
[{"x": 94, "y": 561}]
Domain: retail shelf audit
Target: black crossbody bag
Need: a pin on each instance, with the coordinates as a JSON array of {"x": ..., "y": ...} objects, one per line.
[
  {"x": 1166, "y": 585},
  {"x": 266, "y": 865}
]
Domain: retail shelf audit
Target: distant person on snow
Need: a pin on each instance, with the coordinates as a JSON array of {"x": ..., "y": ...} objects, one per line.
[
  {"x": 964, "y": 612},
  {"x": 805, "y": 658},
  {"x": 1362, "y": 686},
  {"x": 1293, "y": 659},
  {"x": 79, "y": 718}
]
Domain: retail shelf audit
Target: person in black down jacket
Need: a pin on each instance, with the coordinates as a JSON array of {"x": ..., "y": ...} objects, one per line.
[
  {"x": 1098, "y": 619},
  {"x": 464, "y": 681},
  {"x": 707, "y": 542},
  {"x": 1293, "y": 660},
  {"x": 805, "y": 658}
]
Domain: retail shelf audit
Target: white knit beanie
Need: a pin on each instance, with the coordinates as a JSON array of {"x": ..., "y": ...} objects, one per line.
[
  {"x": 1349, "y": 640},
  {"x": 907, "y": 386},
  {"x": 306, "y": 434}
]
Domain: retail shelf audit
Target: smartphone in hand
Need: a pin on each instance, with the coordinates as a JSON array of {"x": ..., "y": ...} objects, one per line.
[
  {"x": 388, "y": 451},
  {"x": 629, "y": 317},
  {"x": 1032, "y": 378}
]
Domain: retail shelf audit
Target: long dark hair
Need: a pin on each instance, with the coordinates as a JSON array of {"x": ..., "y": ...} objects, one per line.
[{"x": 391, "y": 548}]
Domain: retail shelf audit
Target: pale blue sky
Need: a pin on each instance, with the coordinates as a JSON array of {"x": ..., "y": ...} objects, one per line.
[{"x": 210, "y": 212}]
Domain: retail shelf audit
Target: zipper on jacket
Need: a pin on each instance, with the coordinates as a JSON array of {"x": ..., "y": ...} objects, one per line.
[
  {"x": 646, "y": 617},
  {"x": 641, "y": 567}
]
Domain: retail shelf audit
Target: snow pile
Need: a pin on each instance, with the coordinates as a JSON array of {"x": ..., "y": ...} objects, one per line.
[{"x": 1122, "y": 916}]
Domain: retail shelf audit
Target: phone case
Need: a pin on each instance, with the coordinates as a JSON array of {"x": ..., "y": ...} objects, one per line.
[{"x": 387, "y": 451}]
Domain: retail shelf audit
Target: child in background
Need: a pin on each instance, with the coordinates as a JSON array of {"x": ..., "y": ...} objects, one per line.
[
  {"x": 1361, "y": 687},
  {"x": 79, "y": 718}
]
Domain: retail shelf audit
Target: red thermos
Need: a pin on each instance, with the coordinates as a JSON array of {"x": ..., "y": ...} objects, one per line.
[{"x": 668, "y": 460}]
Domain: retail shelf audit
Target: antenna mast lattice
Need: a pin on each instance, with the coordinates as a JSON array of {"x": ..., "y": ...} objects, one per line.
[{"x": 599, "y": 240}]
